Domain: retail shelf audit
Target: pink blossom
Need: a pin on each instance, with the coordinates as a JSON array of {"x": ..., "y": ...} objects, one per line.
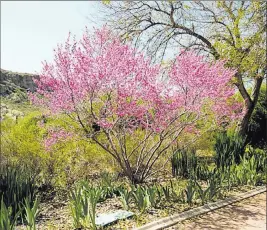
[
  {"x": 103, "y": 81},
  {"x": 55, "y": 136}
]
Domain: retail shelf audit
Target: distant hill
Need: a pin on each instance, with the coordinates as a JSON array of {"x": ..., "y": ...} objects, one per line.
[
  {"x": 13, "y": 93},
  {"x": 10, "y": 82}
]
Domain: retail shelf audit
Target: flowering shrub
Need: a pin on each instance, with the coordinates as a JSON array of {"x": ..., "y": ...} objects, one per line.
[
  {"x": 118, "y": 97},
  {"x": 54, "y": 136}
]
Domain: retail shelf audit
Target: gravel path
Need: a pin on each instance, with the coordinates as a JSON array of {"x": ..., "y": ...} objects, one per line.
[{"x": 249, "y": 214}]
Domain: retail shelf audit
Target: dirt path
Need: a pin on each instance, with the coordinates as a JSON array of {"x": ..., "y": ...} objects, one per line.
[{"x": 249, "y": 214}]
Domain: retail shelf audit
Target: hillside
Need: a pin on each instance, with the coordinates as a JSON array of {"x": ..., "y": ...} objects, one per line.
[
  {"x": 13, "y": 92},
  {"x": 11, "y": 81}
]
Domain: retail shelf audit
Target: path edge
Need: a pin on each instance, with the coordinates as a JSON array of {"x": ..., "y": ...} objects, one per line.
[{"x": 176, "y": 218}]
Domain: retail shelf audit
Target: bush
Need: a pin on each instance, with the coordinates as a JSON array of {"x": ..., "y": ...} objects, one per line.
[
  {"x": 257, "y": 130},
  {"x": 260, "y": 158},
  {"x": 16, "y": 184},
  {"x": 18, "y": 96},
  {"x": 184, "y": 163},
  {"x": 18, "y": 197},
  {"x": 64, "y": 163},
  {"x": 22, "y": 141},
  {"x": 202, "y": 171},
  {"x": 7, "y": 222},
  {"x": 228, "y": 148}
]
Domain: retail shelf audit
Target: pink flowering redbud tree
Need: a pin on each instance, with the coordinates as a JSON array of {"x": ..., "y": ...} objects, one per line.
[{"x": 132, "y": 109}]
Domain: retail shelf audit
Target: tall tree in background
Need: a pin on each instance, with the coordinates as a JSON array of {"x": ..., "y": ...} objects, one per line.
[{"x": 232, "y": 30}]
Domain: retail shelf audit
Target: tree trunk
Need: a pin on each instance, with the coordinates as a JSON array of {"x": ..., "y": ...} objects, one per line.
[
  {"x": 250, "y": 101},
  {"x": 245, "y": 121}
]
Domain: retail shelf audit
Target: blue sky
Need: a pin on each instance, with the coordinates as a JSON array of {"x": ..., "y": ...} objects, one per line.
[{"x": 31, "y": 30}]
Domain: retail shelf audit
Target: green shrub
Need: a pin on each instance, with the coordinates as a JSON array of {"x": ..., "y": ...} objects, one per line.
[
  {"x": 202, "y": 171},
  {"x": 257, "y": 130},
  {"x": 68, "y": 160},
  {"x": 7, "y": 218},
  {"x": 16, "y": 184},
  {"x": 184, "y": 163},
  {"x": 228, "y": 147},
  {"x": 18, "y": 96},
  {"x": 21, "y": 143},
  {"x": 260, "y": 157}
]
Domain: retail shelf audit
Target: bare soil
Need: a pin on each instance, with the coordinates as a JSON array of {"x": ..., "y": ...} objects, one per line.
[
  {"x": 55, "y": 214},
  {"x": 249, "y": 214}
]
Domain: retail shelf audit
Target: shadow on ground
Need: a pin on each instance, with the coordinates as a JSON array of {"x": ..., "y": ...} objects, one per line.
[{"x": 249, "y": 214}]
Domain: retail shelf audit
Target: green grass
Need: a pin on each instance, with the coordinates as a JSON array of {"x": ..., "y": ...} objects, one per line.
[{"x": 24, "y": 107}]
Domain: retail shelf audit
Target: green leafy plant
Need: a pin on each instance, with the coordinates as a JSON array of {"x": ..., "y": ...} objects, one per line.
[
  {"x": 16, "y": 184},
  {"x": 260, "y": 157},
  {"x": 93, "y": 196},
  {"x": 83, "y": 201},
  {"x": 228, "y": 147},
  {"x": 239, "y": 177},
  {"x": 219, "y": 176},
  {"x": 202, "y": 171},
  {"x": 76, "y": 207},
  {"x": 247, "y": 171},
  {"x": 107, "y": 186},
  {"x": 180, "y": 196},
  {"x": 31, "y": 213},
  {"x": 159, "y": 193},
  {"x": 8, "y": 219},
  {"x": 184, "y": 163},
  {"x": 154, "y": 196},
  {"x": 203, "y": 193},
  {"x": 214, "y": 186},
  {"x": 166, "y": 190},
  {"x": 141, "y": 198},
  {"x": 176, "y": 194},
  {"x": 90, "y": 197},
  {"x": 125, "y": 197},
  {"x": 190, "y": 192}
]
